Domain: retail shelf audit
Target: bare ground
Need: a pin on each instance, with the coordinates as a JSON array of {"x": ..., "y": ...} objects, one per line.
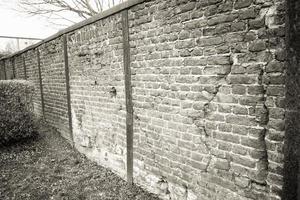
[{"x": 49, "y": 168}]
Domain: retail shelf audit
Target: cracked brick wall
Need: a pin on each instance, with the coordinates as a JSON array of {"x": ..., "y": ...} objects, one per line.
[
  {"x": 210, "y": 83},
  {"x": 98, "y": 92},
  {"x": 208, "y": 91}
]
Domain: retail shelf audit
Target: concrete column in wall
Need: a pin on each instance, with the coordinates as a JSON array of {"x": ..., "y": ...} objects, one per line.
[
  {"x": 128, "y": 94},
  {"x": 67, "y": 73}
]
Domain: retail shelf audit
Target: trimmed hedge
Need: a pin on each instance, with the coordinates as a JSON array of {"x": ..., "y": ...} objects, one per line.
[{"x": 17, "y": 120}]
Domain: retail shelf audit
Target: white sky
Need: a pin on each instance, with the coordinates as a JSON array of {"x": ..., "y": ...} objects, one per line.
[
  {"x": 19, "y": 24},
  {"x": 15, "y": 23}
]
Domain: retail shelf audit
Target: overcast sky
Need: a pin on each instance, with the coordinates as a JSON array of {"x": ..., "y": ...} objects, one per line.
[{"x": 15, "y": 23}]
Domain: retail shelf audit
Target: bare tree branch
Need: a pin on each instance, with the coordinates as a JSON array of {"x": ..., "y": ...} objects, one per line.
[{"x": 65, "y": 9}]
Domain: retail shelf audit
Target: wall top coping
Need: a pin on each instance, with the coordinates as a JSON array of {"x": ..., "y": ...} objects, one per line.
[{"x": 116, "y": 9}]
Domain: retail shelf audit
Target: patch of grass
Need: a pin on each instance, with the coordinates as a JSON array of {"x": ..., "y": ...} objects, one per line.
[{"x": 49, "y": 168}]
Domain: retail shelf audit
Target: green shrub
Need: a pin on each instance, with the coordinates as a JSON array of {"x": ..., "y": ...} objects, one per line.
[{"x": 17, "y": 120}]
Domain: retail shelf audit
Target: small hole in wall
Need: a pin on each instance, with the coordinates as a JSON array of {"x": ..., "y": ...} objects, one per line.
[
  {"x": 94, "y": 83},
  {"x": 137, "y": 118},
  {"x": 113, "y": 92}
]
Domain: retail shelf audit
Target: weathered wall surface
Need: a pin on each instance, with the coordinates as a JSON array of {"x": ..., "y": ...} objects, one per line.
[
  {"x": 209, "y": 92},
  {"x": 30, "y": 61},
  {"x": 97, "y": 92},
  {"x": 19, "y": 67},
  {"x": 9, "y": 69},
  {"x": 54, "y": 86},
  {"x": 2, "y": 70}
]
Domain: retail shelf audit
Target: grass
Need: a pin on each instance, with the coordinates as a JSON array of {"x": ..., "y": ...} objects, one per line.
[{"x": 49, "y": 168}]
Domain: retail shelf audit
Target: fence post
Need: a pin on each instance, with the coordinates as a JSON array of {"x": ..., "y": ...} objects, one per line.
[
  {"x": 14, "y": 67},
  {"x": 128, "y": 94},
  {"x": 24, "y": 65},
  {"x": 66, "y": 62},
  {"x": 41, "y": 82}
]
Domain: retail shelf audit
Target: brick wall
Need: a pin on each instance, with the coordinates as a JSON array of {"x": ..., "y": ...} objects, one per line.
[
  {"x": 209, "y": 95},
  {"x": 208, "y": 88},
  {"x": 6, "y": 69},
  {"x": 54, "y": 85},
  {"x": 30, "y": 58},
  {"x": 19, "y": 67},
  {"x": 2, "y": 70},
  {"x": 97, "y": 92},
  {"x": 9, "y": 69}
]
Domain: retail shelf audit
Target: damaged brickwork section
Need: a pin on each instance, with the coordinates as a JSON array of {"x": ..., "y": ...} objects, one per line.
[
  {"x": 97, "y": 93},
  {"x": 208, "y": 93}
]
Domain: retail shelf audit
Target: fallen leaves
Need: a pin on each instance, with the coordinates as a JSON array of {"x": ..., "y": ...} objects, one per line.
[{"x": 49, "y": 168}]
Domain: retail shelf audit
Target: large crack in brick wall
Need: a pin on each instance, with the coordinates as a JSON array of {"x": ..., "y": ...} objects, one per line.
[{"x": 208, "y": 89}]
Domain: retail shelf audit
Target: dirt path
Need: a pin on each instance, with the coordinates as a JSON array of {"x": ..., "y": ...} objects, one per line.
[{"x": 48, "y": 168}]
